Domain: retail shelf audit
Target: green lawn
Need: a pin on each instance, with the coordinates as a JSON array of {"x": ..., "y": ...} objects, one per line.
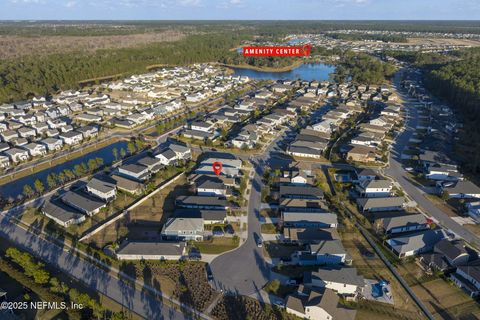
[{"x": 217, "y": 245}]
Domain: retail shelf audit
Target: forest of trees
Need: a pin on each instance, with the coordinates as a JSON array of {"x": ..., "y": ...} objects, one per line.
[
  {"x": 23, "y": 77},
  {"x": 363, "y": 68},
  {"x": 363, "y": 36}
]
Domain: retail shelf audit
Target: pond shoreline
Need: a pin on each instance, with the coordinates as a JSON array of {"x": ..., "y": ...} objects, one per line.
[{"x": 264, "y": 69}]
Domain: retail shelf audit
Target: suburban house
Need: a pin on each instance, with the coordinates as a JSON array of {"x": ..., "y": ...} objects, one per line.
[
  {"x": 62, "y": 214},
  {"x": 202, "y": 202},
  {"x": 374, "y": 188},
  {"x": 343, "y": 280},
  {"x": 83, "y": 202},
  {"x": 152, "y": 251},
  {"x": 52, "y": 144},
  {"x": 317, "y": 304},
  {"x": 467, "y": 277},
  {"x": 366, "y": 174},
  {"x": 309, "y": 219},
  {"x": 324, "y": 252},
  {"x": 17, "y": 155},
  {"x": 183, "y": 229},
  {"x": 403, "y": 223},
  {"x": 380, "y": 204},
  {"x": 463, "y": 189},
  {"x": 448, "y": 255},
  {"x": 412, "y": 244},
  {"x": 71, "y": 137},
  {"x": 361, "y": 154},
  {"x": 153, "y": 164},
  {"x": 102, "y": 187},
  {"x": 4, "y": 162},
  {"x": 135, "y": 171},
  {"x": 300, "y": 192},
  {"x": 35, "y": 149},
  {"x": 88, "y": 131},
  {"x": 208, "y": 216},
  {"x": 128, "y": 185},
  {"x": 210, "y": 186}
]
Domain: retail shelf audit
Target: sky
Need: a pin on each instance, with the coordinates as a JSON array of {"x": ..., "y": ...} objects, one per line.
[{"x": 239, "y": 9}]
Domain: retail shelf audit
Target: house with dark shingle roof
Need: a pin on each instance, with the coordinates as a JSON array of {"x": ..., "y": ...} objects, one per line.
[
  {"x": 62, "y": 214},
  {"x": 412, "y": 244},
  {"x": 467, "y": 277}
]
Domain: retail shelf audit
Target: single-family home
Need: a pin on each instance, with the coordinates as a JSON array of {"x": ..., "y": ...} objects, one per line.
[
  {"x": 343, "y": 280},
  {"x": 83, "y": 202},
  {"x": 102, "y": 187},
  {"x": 374, "y": 188},
  {"x": 62, "y": 214},
  {"x": 35, "y": 149},
  {"x": 52, "y": 144},
  {"x": 412, "y": 244},
  {"x": 182, "y": 229},
  {"x": 174, "y": 251},
  {"x": 71, "y": 138},
  {"x": 380, "y": 204},
  {"x": 135, "y": 171},
  {"x": 403, "y": 223}
]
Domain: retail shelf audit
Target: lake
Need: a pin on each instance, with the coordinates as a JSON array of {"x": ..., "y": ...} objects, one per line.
[
  {"x": 307, "y": 71},
  {"x": 15, "y": 188}
]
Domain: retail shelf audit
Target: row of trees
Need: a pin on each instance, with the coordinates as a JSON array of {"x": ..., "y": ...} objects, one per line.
[
  {"x": 36, "y": 271},
  {"x": 54, "y": 180}
]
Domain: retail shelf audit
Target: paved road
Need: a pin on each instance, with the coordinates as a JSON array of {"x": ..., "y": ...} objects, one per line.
[
  {"x": 244, "y": 271},
  {"x": 145, "y": 305},
  {"x": 396, "y": 171}
]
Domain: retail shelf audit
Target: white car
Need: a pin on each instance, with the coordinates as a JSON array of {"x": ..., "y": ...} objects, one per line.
[{"x": 409, "y": 169}]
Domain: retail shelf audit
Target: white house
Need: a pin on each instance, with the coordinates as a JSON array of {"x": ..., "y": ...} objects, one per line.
[
  {"x": 35, "y": 149},
  {"x": 343, "y": 280},
  {"x": 52, "y": 144},
  {"x": 71, "y": 137},
  {"x": 17, "y": 155},
  {"x": 375, "y": 188}
]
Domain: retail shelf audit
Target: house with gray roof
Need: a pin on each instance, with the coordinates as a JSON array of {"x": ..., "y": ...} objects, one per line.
[
  {"x": 102, "y": 187},
  {"x": 83, "y": 202},
  {"x": 463, "y": 189},
  {"x": 412, "y": 244},
  {"x": 300, "y": 192},
  {"x": 344, "y": 280},
  {"x": 152, "y": 251},
  {"x": 309, "y": 219},
  {"x": 309, "y": 303},
  {"x": 153, "y": 164},
  {"x": 134, "y": 171},
  {"x": 403, "y": 223},
  {"x": 62, "y": 214},
  {"x": 128, "y": 185},
  {"x": 324, "y": 252},
  {"x": 380, "y": 204},
  {"x": 467, "y": 277},
  {"x": 202, "y": 202},
  {"x": 183, "y": 229},
  {"x": 208, "y": 216}
]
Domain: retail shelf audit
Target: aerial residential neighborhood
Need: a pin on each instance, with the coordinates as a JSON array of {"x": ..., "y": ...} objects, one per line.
[{"x": 179, "y": 160}]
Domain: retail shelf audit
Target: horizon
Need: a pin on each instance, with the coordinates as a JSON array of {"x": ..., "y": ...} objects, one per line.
[{"x": 242, "y": 10}]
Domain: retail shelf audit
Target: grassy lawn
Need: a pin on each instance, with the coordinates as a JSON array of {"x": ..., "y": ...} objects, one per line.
[
  {"x": 217, "y": 245},
  {"x": 268, "y": 228},
  {"x": 269, "y": 213},
  {"x": 274, "y": 287}
]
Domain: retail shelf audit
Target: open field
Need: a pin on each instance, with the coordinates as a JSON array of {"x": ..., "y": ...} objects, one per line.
[
  {"x": 217, "y": 245},
  {"x": 442, "y": 298},
  {"x": 17, "y": 46},
  {"x": 444, "y": 41}
]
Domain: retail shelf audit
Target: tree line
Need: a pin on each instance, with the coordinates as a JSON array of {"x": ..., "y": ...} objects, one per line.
[
  {"x": 363, "y": 69},
  {"x": 37, "y": 272}
]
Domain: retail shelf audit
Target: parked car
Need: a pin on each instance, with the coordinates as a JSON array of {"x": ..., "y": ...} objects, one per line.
[{"x": 209, "y": 272}]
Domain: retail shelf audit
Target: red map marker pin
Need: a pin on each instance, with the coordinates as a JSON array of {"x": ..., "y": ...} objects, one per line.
[
  {"x": 217, "y": 167},
  {"x": 306, "y": 49}
]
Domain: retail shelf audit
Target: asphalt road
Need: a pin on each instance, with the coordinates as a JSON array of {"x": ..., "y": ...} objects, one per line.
[
  {"x": 397, "y": 172},
  {"x": 244, "y": 270},
  {"x": 145, "y": 305}
]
